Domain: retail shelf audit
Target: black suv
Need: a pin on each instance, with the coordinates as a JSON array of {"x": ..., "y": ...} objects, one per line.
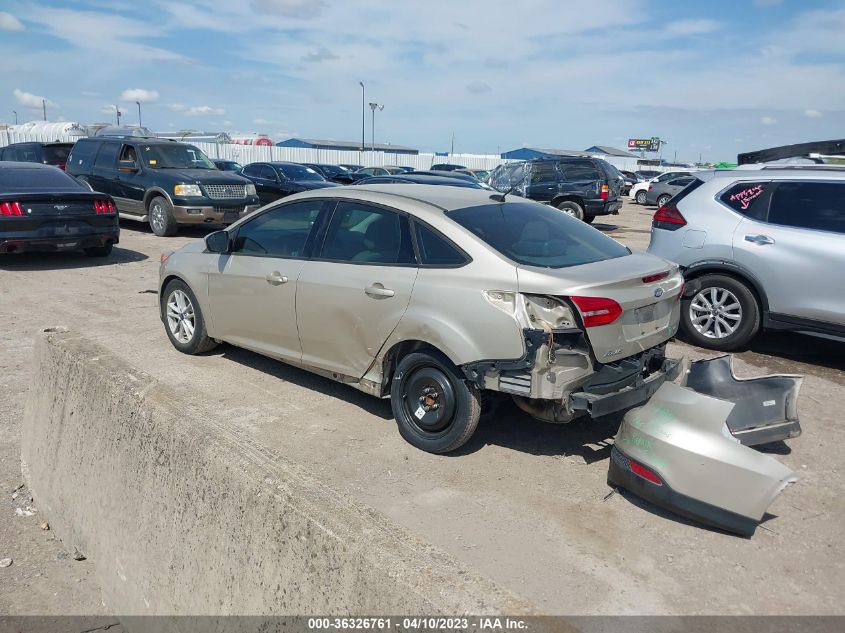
[
  {"x": 581, "y": 187},
  {"x": 162, "y": 182},
  {"x": 46, "y": 153}
]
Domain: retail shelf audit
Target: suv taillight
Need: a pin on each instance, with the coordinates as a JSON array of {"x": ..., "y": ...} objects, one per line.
[
  {"x": 11, "y": 208},
  {"x": 605, "y": 192},
  {"x": 597, "y": 311},
  {"x": 103, "y": 206},
  {"x": 669, "y": 218}
]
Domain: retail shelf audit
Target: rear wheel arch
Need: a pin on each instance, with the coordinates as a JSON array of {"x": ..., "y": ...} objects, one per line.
[
  {"x": 398, "y": 351},
  {"x": 699, "y": 270},
  {"x": 568, "y": 198}
]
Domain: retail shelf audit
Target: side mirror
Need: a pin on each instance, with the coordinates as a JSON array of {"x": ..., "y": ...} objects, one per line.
[
  {"x": 218, "y": 242},
  {"x": 128, "y": 166}
]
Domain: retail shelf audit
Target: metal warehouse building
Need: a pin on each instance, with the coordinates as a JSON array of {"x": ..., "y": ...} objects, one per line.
[
  {"x": 345, "y": 146},
  {"x": 527, "y": 153}
]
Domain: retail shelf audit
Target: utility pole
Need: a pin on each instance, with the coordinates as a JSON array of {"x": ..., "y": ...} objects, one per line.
[
  {"x": 117, "y": 113},
  {"x": 373, "y": 107},
  {"x": 15, "y": 112},
  {"x": 138, "y": 103},
  {"x": 44, "y": 108},
  {"x": 453, "y": 143},
  {"x": 363, "y": 117}
]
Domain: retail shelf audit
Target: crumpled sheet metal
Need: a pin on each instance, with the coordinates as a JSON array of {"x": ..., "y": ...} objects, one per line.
[
  {"x": 766, "y": 406},
  {"x": 706, "y": 473}
]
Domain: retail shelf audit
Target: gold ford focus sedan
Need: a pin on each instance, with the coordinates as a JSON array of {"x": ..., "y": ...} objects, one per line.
[{"x": 433, "y": 296}]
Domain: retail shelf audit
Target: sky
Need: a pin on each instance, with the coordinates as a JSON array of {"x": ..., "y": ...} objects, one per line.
[{"x": 711, "y": 78}]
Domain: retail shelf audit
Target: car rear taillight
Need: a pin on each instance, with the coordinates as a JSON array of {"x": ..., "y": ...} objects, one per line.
[
  {"x": 605, "y": 192},
  {"x": 62, "y": 166},
  {"x": 597, "y": 311},
  {"x": 103, "y": 206},
  {"x": 11, "y": 208},
  {"x": 668, "y": 217},
  {"x": 648, "y": 279},
  {"x": 646, "y": 473}
]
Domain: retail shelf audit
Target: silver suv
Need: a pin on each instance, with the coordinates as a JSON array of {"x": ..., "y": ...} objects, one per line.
[
  {"x": 760, "y": 248},
  {"x": 432, "y": 296}
]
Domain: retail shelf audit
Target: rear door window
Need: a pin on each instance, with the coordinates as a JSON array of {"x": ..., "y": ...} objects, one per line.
[
  {"x": 267, "y": 173},
  {"x": 360, "y": 233},
  {"x": 28, "y": 154},
  {"x": 280, "y": 232},
  {"x": 537, "y": 235},
  {"x": 543, "y": 172},
  {"x": 809, "y": 205},
  {"x": 251, "y": 170}
]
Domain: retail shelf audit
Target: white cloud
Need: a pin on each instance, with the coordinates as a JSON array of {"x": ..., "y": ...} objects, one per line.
[
  {"x": 812, "y": 114},
  {"x": 30, "y": 100},
  {"x": 690, "y": 27},
  {"x": 321, "y": 55},
  {"x": 767, "y": 120},
  {"x": 303, "y": 9},
  {"x": 139, "y": 94},
  {"x": 203, "y": 110},
  {"x": 478, "y": 87},
  {"x": 8, "y": 22}
]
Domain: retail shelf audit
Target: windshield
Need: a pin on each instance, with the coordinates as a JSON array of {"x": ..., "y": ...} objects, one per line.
[
  {"x": 23, "y": 180},
  {"x": 299, "y": 172},
  {"x": 176, "y": 156},
  {"x": 537, "y": 235}
]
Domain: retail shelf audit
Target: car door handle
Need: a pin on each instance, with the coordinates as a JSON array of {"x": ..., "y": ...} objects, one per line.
[
  {"x": 276, "y": 278},
  {"x": 759, "y": 239},
  {"x": 378, "y": 290}
]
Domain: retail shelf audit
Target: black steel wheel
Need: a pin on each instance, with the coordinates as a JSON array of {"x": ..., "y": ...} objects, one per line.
[{"x": 436, "y": 409}]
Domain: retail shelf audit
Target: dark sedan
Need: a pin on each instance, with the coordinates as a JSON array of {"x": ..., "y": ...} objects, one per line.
[
  {"x": 276, "y": 180},
  {"x": 44, "y": 209},
  {"x": 660, "y": 193},
  {"x": 227, "y": 165},
  {"x": 419, "y": 179}
]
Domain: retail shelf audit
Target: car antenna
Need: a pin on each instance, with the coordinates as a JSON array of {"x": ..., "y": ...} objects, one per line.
[{"x": 500, "y": 197}]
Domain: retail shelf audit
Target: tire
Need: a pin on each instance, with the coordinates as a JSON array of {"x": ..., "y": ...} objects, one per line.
[
  {"x": 424, "y": 379},
  {"x": 589, "y": 219},
  {"x": 640, "y": 197},
  {"x": 571, "y": 208},
  {"x": 160, "y": 213},
  {"x": 662, "y": 200},
  {"x": 99, "y": 251},
  {"x": 727, "y": 292},
  {"x": 189, "y": 313}
]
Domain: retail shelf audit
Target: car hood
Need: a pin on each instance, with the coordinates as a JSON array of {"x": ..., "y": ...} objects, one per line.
[{"x": 204, "y": 176}]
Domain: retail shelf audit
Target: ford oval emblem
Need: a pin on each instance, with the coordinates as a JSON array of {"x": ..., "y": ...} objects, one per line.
[
  {"x": 229, "y": 191},
  {"x": 658, "y": 292}
]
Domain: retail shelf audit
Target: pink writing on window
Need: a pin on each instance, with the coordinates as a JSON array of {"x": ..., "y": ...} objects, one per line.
[{"x": 746, "y": 196}]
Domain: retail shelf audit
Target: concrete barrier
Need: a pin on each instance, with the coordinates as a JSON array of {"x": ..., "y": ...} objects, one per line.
[{"x": 182, "y": 514}]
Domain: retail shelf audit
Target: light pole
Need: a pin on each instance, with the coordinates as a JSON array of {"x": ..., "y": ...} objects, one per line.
[
  {"x": 363, "y": 117},
  {"x": 117, "y": 113},
  {"x": 373, "y": 107},
  {"x": 138, "y": 103},
  {"x": 44, "y": 108},
  {"x": 15, "y": 112}
]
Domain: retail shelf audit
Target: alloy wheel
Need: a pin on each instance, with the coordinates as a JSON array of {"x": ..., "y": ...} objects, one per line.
[
  {"x": 181, "y": 319},
  {"x": 715, "y": 312},
  {"x": 157, "y": 216}
]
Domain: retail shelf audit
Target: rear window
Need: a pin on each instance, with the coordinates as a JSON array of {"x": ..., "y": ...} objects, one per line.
[
  {"x": 26, "y": 180},
  {"x": 56, "y": 153},
  {"x": 537, "y": 235}
]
